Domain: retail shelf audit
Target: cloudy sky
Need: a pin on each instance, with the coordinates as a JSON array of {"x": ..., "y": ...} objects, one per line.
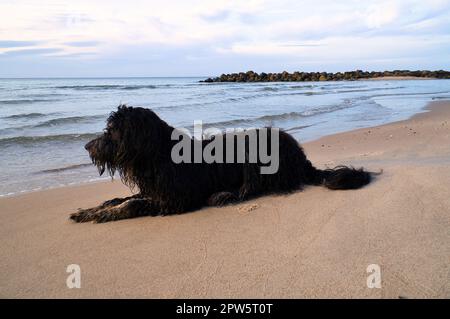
[{"x": 188, "y": 38}]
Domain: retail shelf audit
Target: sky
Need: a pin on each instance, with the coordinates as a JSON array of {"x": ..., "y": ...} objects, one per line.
[{"x": 105, "y": 38}]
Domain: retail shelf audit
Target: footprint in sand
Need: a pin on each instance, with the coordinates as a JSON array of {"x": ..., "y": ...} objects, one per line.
[{"x": 247, "y": 208}]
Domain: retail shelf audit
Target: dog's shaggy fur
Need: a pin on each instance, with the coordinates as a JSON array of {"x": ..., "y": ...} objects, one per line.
[{"x": 137, "y": 144}]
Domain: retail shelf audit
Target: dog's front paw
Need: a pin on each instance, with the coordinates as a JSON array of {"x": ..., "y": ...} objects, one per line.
[
  {"x": 83, "y": 215},
  {"x": 107, "y": 215}
]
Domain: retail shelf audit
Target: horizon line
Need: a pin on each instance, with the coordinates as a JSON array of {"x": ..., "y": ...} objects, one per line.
[{"x": 94, "y": 77}]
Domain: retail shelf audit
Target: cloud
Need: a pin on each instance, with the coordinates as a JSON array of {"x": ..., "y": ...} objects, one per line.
[
  {"x": 306, "y": 45},
  {"x": 25, "y": 52},
  {"x": 16, "y": 44},
  {"x": 82, "y": 43},
  {"x": 217, "y": 16},
  {"x": 293, "y": 32},
  {"x": 381, "y": 14}
]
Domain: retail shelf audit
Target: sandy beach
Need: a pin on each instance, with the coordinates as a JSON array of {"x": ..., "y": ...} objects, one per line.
[{"x": 314, "y": 243}]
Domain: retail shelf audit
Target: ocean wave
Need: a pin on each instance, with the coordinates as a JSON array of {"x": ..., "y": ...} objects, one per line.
[
  {"x": 26, "y": 101},
  {"x": 41, "y": 95},
  {"x": 340, "y": 86},
  {"x": 263, "y": 92},
  {"x": 65, "y": 168},
  {"x": 30, "y": 140},
  {"x": 283, "y": 86},
  {"x": 302, "y": 86},
  {"x": 69, "y": 120},
  {"x": 327, "y": 89},
  {"x": 109, "y": 87},
  {"x": 308, "y": 93},
  {"x": 54, "y": 122},
  {"x": 369, "y": 89},
  {"x": 243, "y": 98},
  {"x": 410, "y": 94},
  {"x": 296, "y": 128},
  {"x": 269, "y": 88},
  {"x": 441, "y": 98},
  {"x": 278, "y": 117},
  {"x": 26, "y": 116}
]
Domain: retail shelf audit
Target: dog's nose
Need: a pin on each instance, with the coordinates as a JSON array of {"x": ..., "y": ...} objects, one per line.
[{"x": 88, "y": 145}]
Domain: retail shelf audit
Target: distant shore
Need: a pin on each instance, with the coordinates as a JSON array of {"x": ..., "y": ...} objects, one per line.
[
  {"x": 309, "y": 244},
  {"x": 251, "y": 76}
]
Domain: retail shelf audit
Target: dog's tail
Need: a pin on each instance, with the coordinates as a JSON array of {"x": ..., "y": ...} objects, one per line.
[{"x": 340, "y": 177}]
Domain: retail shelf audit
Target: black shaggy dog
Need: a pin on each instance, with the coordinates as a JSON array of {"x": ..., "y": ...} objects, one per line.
[{"x": 137, "y": 144}]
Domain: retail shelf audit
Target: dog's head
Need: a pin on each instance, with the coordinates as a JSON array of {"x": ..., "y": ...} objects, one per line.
[
  {"x": 103, "y": 149},
  {"x": 131, "y": 137}
]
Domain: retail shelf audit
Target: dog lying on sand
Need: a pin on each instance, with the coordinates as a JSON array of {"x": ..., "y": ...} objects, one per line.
[{"x": 138, "y": 145}]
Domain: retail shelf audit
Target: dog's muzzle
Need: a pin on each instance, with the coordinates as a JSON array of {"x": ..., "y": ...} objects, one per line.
[{"x": 89, "y": 145}]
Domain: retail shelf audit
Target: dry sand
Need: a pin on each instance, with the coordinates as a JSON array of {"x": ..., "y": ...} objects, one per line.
[{"x": 315, "y": 243}]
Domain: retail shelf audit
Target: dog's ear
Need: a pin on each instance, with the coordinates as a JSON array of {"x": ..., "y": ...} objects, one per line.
[
  {"x": 123, "y": 108},
  {"x": 116, "y": 118},
  {"x": 141, "y": 133}
]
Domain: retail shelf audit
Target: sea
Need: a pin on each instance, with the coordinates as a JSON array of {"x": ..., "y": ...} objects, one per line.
[{"x": 44, "y": 123}]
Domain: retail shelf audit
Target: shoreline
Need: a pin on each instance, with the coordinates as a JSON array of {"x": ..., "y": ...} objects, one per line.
[
  {"x": 308, "y": 244},
  {"x": 71, "y": 184}
]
